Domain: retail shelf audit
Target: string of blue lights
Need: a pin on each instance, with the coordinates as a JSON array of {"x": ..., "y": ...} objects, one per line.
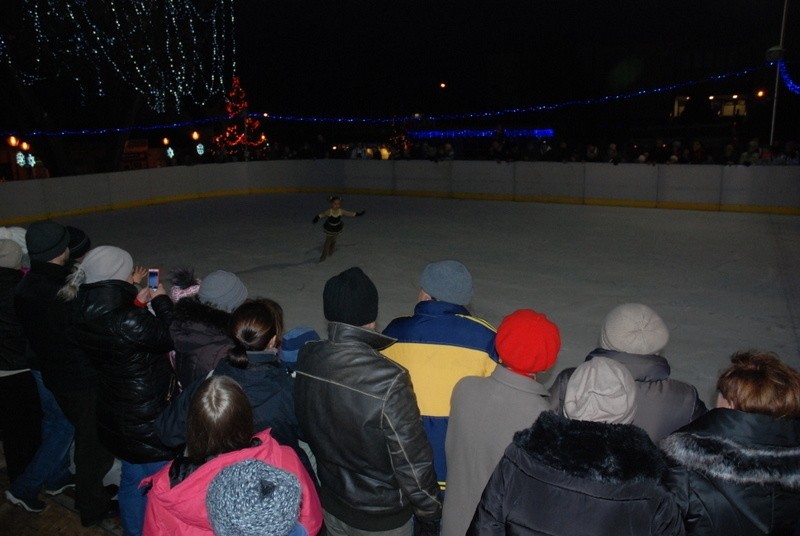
[{"x": 792, "y": 86}]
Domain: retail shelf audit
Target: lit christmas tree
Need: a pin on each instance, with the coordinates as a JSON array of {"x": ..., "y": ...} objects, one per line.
[{"x": 241, "y": 136}]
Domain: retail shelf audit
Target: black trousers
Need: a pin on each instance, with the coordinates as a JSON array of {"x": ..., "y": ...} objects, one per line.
[
  {"x": 92, "y": 459},
  {"x": 20, "y": 421}
]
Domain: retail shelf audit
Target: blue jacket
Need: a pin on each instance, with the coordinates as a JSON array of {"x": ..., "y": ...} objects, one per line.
[{"x": 439, "y": 345}]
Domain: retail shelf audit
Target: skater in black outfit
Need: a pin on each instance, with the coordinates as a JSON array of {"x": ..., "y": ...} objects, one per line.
[{"x": 333, "y": 224}]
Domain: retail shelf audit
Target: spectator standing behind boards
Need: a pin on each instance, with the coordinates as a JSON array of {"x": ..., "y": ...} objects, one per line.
[
  {"x": 589, "y": 472},
  {"x": 200, "y": 328},
  {"x": 47, "y": 243},
  {"x": 128, "y": 346},
  {"x": 219, "y": 433},
  {"x": 633, "y": 334},
  {"x": 358, "y": 412},
  {"x": 20, "y": 412},
  {"x": 736, "y": 470},
  {"x": 66, "y": 368},
  {"x": 439, "y": 345},
  {"x": 485, "y": 412}
]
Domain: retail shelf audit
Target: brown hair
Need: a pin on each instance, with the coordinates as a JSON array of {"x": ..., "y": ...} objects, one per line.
[
  {"x": 759, "y": 382},
  {"x": 252, "y": 326},
  {"x": 220, "y": 419}
]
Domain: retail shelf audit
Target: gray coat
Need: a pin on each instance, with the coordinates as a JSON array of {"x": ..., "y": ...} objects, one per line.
[
  {"x": 484, "y": 414},
  {"x": 663, "y": 404}
]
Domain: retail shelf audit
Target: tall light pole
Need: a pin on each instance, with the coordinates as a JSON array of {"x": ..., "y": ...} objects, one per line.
[{"x": 777, "y": 56}]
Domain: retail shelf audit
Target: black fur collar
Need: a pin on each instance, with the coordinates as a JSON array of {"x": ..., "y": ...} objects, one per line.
[
  {"x": 192, "y": 309},
  {"x": 597, "y": 451},
  {"x": 732, "y": 461}
]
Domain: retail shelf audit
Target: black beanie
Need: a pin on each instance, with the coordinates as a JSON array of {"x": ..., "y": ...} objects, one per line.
[
  {"x": 350, "y": 298},
  {"x": 46, "y": 240},
  {"x": 79, "y": 243}
]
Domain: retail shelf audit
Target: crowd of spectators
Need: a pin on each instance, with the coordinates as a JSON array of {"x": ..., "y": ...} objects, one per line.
[{"x": 226, "y": 423}]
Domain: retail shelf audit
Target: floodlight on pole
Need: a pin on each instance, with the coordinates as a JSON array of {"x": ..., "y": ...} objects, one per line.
[{"x": 776, "y": 54}]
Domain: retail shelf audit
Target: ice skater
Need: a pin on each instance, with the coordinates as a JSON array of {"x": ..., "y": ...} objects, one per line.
[{"x": 333, "y": 224}]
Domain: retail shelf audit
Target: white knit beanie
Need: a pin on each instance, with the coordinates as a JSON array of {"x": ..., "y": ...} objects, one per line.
[
  {"x": 603, "y": 390},
  {"x": 634, "y": 328},
  {"x": 106, "y": 262}
]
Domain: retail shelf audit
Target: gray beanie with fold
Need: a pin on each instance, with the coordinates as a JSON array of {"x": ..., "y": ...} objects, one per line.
[
  {"x": 252, "y": 498},
  {"x": 223, "y": 290},
  {"x": 106, "y": 262},
  {"x": 601, "y": 390},
  {"x": 634, "y": 328},
  {"x": 448, "y": 281}
]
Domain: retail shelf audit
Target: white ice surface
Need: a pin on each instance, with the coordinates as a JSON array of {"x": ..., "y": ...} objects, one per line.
[{"x": 721, "y": 281}]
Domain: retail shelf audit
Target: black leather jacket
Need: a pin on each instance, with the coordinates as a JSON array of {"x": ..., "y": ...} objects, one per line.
[
  {"x": 128, "y": 346},
  {"x": 358, "y": 412}
]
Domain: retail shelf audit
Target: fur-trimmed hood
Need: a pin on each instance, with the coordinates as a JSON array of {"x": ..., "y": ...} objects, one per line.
[
  {"x": 193, "y": 310},
  {"x": 739, "y": 448},
  {"x": 610, "y": 453}
]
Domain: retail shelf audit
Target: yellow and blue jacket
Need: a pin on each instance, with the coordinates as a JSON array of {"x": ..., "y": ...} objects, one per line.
[{"x": 439, "y": 345}]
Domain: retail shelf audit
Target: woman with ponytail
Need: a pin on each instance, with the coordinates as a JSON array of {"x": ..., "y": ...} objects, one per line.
[{"x": 256, "y": 328}]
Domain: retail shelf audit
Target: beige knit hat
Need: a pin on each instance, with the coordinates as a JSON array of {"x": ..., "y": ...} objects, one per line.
[
  {"x": 634, "y": 328},
  {"x": 603, "y": 390}
]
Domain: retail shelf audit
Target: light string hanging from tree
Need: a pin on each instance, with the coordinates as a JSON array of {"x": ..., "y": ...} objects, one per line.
[
  {"x": 167, "y": 51},
  {"x": 416, "y": 118}
]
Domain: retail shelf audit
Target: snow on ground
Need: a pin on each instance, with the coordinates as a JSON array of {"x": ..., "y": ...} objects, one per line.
[{"x": 722, "y": 281}]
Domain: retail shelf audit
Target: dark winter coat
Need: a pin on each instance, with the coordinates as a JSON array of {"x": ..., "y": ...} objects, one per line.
[
  {"x": 13, "y": 344},
  {"x": 736, "y": 473},
  {"x": 566, "y": 477},
  {"x": 269, "y": 387},
  {"x": 200, "y": 336},
  {"x": 128, "y": 346},
  {"x": 45, "y": 319},
  {"x": 358, "y": 412},
  {"x": 662, "y": 404}
]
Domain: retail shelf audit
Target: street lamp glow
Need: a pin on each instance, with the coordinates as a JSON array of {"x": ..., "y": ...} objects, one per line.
[
  {"x": 24, "y": 146},
  {"x": 442, "y": 85},
  {"x": 195, "y": 135},
  {"x": 165, "y": 141},
  {"x": 711, "y": 97},
  {"x": 13, "y": 141},
  {"x": 760, "y": 93},
  {"x": 736, "y": 96}
]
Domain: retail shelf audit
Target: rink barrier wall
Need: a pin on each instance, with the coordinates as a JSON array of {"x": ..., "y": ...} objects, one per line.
[{"x": 766, "y": 189}]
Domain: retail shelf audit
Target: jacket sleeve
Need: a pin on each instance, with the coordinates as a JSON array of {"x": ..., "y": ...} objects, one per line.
[
  {"x": 170, "y": 424},
  {"x": 411, "y": 453},
  {"x": 699, "y": 407},
  {"x": 145, "y": 331},
  {"x": 489, "y": 518},
  {"x": 678, "y": 483},
  {"x": 559, "y": 390}
]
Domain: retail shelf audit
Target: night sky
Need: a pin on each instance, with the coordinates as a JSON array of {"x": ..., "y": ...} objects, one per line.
[{"x": 377, "y": 58}]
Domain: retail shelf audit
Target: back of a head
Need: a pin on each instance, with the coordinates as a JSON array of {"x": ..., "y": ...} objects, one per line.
[
  {"x": 254, "y": 325},
  {"x": 602, "y": 390},
  {"x": 46, "y": 240},
  {"x": 448, "y": 281},
  {"x": 220, "y": 419},
  {"x": 10, "y": 254},
  {"x": 293, "y": 340},
  {"x": 79, "y": 242},
  {"x": 103, "y": 263},
  {"x": 222, "y": 290},
  {"x": 634, "y": 328},
  {"x": 253, "y": 498},
  {"x": 351, "y": 298},
  {"x": 759, "y": 382},
  {"x": 527, "y": 342}
]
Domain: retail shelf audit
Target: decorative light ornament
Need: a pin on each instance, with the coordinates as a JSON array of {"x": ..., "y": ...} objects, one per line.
[
  {"x": 31, "y": 160},
  {"x": 201, "y": 150},
  {"x": 21, "y": 159},
  {"x": 170, "y": 153}
]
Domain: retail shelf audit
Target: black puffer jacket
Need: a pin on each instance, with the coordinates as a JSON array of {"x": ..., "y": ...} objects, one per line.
[
  {"x": 358, "y": 412},
  {"x": 128, "y": 346},
  {"x": 45, "y": 319},
  {"x": 200, "y": 335},
  {"x": 13, "y": 344},
  {"x": 662, "y": 404},
  {"x": 737, "y": 474},
  {"x": 566, "y": 477}
]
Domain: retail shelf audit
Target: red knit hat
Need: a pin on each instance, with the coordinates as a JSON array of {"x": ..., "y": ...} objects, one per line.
[{"x": 527, "y": 342}]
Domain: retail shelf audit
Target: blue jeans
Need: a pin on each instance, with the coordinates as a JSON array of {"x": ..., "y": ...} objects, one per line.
[
  {"x": 132, "y": 500},
  {"x": 50, "y": 465}
]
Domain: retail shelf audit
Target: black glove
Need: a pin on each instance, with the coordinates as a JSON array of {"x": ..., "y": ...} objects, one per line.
[
  {"x": 361, "y": 213},
  {"x": 316, "y": 219},
  {"x": 429, "y": 527}
]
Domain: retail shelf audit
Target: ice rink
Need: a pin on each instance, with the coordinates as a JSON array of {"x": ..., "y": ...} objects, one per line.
[{"x": 722, "y": 281}]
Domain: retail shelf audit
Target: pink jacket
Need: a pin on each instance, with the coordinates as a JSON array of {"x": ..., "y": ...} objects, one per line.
[{"x": 182, "y": 509}]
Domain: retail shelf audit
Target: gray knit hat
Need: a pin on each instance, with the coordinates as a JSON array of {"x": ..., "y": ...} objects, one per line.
[
  {"x": 222, "y": 290},
  {"x": 106, "y": 262},
  {"x": 603, "y": 390},
  {"x": 46, "y": 240},
  {"x": 10, "y": 253},
  {"x": 634, "y": 328},
  {"x": 252, "y": 498},
  {"x": 447, "y": 281},
  {"x": 17, "y": 234}
]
